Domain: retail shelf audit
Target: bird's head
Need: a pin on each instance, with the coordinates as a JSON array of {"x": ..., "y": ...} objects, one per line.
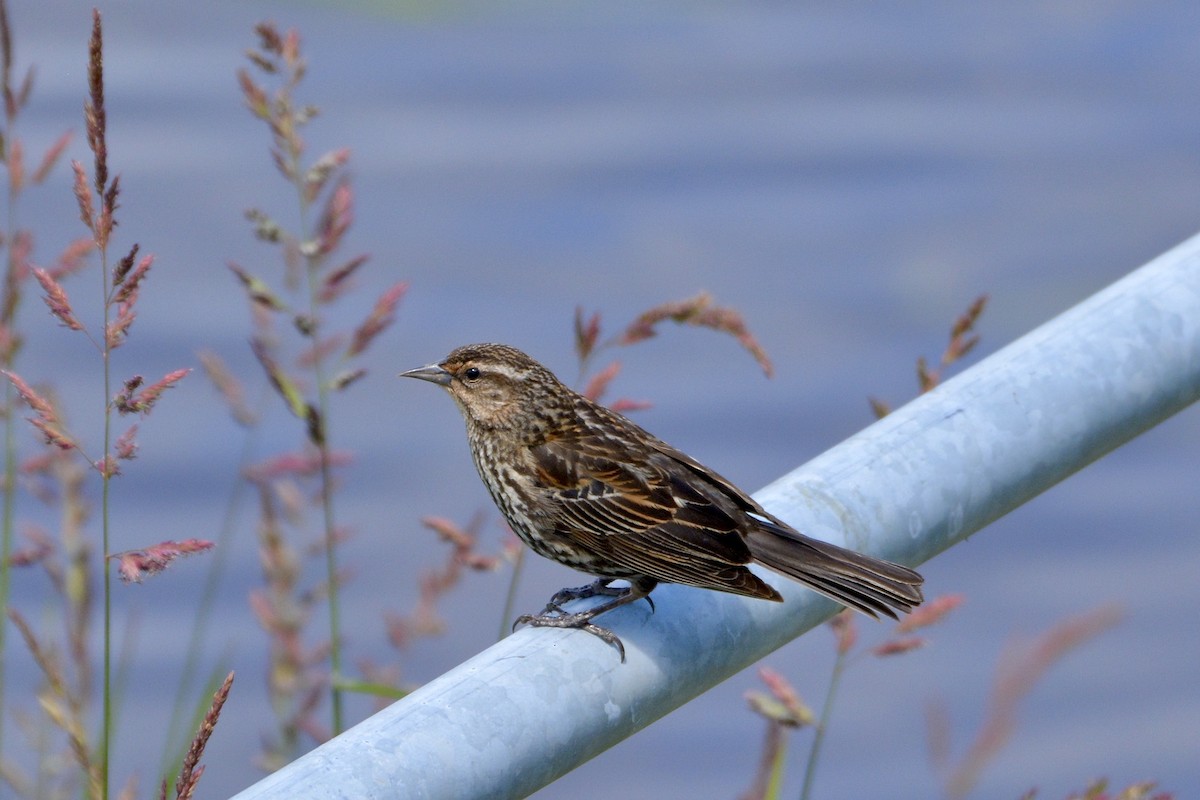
[{"x": 494, "y": 385}]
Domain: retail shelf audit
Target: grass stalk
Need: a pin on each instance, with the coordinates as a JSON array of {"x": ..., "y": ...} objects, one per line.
[
  {"x": 510, "y": 596},
  {"x": 335, "y": 649},
  {"x": 10, "y": 451},
  {"x": 814, "y": 752},
  {"x": 6, "y": 536},
  {"x": 9, "y": 302},
  {"x": 105, "y": 549},
  {"x": 328, "y": 518},
  {"x": 319, "y": 433}
]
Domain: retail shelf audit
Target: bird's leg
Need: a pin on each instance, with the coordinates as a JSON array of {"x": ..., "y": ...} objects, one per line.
[
  {"x": 553, "y": 616},
  {"x": 597, "y": 588}
]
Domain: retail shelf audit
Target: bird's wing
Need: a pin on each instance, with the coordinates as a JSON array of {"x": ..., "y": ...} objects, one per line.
[
  {"x": 704, "y": 476},
  {"x": 596, "y": 494},
  {"x": 647, "y": 509}
]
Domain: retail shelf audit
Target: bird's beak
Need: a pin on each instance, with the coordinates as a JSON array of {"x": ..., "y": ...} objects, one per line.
[{"x": 432, "y": 373}]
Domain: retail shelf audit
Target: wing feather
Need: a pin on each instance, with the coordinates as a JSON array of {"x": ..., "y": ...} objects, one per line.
[{"x": 651, "y": 513}]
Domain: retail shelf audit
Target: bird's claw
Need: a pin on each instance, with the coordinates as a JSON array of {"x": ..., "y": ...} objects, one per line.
[
  {"x": 551, "y": 608},
  {"x": 560, "y": 619}
]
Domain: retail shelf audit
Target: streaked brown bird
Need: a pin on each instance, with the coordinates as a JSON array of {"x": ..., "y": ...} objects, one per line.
[{"x": 588, "y": 488}]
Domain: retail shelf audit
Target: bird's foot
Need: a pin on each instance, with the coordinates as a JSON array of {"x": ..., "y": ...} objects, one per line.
[
  {"x": 554, "y": 616},
  {"x": 557, "y": 618}
]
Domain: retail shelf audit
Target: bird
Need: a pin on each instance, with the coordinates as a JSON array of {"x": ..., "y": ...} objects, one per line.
[{"x": 587, "y": 487}]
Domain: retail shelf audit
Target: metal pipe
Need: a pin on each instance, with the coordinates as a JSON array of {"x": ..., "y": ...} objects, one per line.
[{"x": 541, "y": 702}]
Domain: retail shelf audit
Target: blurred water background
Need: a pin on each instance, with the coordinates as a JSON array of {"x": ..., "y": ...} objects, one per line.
[{"x": 849, "y": 176}]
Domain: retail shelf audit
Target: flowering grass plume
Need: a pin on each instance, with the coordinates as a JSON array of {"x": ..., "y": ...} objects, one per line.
[
  {"x": 698, "y": 311},
  {"x": 135, "y": 565},
  {"x": 424, "y": 620},
  {"x": 307, "y": 368},
  {"x": 781, "y": 703},
  {"x": 192, "y": 769},
  {"x": 57, "y": 478},
  {"x": 56, "y": 300},
  {"x": 962, "y": 341},
  {"x": 382, "y": 315},
  {"x": 62, "y": 701},
  {"x": 133, "y": 399},
  {"x": 45, "y": 418},
  {"x": 306, "y": 254},
  {"x": 925, "y": 615},
  {"x": 783, "y": 710},
  {"x": 97, "y": 201},
  {"x": 598, "y": 385},
  {"x": 231, "y": 389},
  {"x": 295, "y": 681},
  {"x": 39, "y": 548}
]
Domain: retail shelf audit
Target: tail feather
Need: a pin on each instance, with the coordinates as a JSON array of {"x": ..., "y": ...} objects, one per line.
[{"x": 867, "y": 584}]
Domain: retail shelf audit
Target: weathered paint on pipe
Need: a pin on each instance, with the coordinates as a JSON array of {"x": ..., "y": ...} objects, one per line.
[{"x": 543, "y": 701}]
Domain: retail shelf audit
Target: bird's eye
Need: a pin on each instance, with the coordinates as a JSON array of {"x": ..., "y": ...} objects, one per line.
[{"x": 471, "y": 373}]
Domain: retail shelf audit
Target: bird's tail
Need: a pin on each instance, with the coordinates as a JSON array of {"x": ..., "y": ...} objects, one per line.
[{"x": 870, "y": 585}]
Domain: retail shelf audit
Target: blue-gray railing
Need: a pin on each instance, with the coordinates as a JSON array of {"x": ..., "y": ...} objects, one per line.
[{"x": 541, "y": 702}]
